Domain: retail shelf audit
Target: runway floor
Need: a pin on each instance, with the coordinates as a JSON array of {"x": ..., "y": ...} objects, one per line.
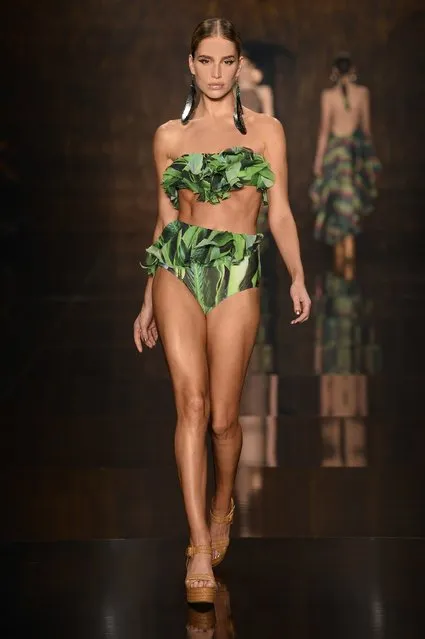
[{"x": 296, "y": 588}]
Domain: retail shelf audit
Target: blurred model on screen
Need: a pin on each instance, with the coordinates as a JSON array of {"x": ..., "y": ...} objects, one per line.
[
  {"x": 254, "y": 94},
  {"x": 345, "y": 166}
]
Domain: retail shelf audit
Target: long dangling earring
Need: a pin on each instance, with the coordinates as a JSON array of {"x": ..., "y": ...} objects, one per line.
[
  {"x": 334, "y": 76},
  {"x": 238, "y": 112},
  {"x": 353, "y": 76},
  {"x": 190, "y": 103}
]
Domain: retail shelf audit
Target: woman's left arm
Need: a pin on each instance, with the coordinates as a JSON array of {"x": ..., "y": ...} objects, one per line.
[{"x": 281, "y": 221}]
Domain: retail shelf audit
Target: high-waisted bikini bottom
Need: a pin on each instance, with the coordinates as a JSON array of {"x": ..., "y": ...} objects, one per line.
[{"x": 212, "y": 264}]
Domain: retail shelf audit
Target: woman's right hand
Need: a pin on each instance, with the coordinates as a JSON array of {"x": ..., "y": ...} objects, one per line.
[
  {"x": 317, "y": 168},
  {"x": 144, "y": 328}
]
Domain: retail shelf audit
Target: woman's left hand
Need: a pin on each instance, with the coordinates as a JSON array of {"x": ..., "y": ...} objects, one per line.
[{"x": 302, "y": 302}]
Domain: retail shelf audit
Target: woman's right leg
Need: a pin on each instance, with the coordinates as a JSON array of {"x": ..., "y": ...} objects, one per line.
[
  {"x": 182, "y": 328},
  {"x": 349, "y": 255}
]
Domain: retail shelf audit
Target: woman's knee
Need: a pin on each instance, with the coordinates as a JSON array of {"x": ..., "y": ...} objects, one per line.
[
  {"x": 193, "y": 407},
  {"x": 225, "y": 424}
]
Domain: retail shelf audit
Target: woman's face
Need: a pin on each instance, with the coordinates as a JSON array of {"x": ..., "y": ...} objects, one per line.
[{"x": 216, "y": 66}]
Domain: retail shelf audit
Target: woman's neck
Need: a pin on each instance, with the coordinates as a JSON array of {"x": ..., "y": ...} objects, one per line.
[{"x": 216, "y": 108}]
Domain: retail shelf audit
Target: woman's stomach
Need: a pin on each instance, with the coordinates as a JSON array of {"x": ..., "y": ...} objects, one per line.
[{"x": 237, "y": 214}]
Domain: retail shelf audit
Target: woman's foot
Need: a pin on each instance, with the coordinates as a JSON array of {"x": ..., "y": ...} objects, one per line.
[
  {"x": 220, "y": 523},
  {"x": 349, "y": 271},
  {"x": 200, "y": 582}
]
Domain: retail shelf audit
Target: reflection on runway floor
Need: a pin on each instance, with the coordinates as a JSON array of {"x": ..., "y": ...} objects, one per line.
[{"x": 296, "y": 588}]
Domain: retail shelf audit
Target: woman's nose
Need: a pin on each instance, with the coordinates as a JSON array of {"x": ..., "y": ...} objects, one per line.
[{"x": 217, "y": 71}]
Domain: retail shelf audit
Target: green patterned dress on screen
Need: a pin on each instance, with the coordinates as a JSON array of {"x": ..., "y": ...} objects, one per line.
[
  {"x": 212, "y": 264},
  {"x": 346, "y": 190}
]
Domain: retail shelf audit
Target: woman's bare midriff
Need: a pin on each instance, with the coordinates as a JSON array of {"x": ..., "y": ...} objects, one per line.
[{"x": 237, "y": 214}]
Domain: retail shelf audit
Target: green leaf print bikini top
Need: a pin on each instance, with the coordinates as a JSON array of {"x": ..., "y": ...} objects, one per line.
[{"x": 212, "y": 176}]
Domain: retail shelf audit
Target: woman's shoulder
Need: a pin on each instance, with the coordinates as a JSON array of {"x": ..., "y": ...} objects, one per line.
[
  {"x": 360, "y": 93},
  {"x": 263, "y": 125},
  {"x": 361, "y": 88},
  {"x": 169, "y": 129},
  {"x": 261, "y": 120},
  {"x": 168, "y": 135},
  {"x": 266, "y": 129}
]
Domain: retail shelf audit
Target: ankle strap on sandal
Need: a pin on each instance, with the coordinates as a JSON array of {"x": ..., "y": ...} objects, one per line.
[
  {"x": 198, "y": 550},
  {"x": 223, "y": 519}
]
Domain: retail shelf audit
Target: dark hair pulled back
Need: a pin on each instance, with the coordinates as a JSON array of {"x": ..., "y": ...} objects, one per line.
[
  {"x": 212, "y": 27},
  {"x": 343, "y": 64}
]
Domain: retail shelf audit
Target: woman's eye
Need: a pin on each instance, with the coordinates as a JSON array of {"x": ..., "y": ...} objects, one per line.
[
  {"x": 229, "y": 61},
  {"x": 203, "y": 61}
]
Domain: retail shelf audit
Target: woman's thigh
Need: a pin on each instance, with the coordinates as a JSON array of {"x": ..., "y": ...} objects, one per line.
[
  {"x": 231, "y": 330},
  {"x": 182, "y": 329}
]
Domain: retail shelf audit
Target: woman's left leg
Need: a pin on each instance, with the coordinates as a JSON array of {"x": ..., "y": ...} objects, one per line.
[
  {"x": 349, "y": 256},
  {"x": 349, "y": 247},
  {"x": 231, "y": 332}
]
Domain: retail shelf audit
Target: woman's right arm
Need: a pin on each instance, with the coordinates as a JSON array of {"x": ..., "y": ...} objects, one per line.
[{"x": 166, "y": 212}]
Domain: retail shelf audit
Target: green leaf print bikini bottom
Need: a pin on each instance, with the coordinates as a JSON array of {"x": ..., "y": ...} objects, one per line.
[{"x": 212, "y": 264}]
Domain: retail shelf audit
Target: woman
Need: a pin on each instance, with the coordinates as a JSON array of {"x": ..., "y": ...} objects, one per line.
[
  {"x": 345, "y": 165},
  {"x": 202, "y": 296}
]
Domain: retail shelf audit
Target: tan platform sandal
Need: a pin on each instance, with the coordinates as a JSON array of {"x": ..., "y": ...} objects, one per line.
[
  {"x": 197, "y": 594},
  {"x": 220, "y": 546}
]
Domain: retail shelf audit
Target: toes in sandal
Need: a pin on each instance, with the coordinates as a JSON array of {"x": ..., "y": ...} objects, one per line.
[
  {"x": 199, "y": 594},
  {"x": 220, "y": 546}
]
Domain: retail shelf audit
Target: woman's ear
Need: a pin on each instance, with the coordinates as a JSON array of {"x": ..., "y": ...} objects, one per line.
[
  {"x": 191, "y": 65},
  {"x": 240, "y": 63}
]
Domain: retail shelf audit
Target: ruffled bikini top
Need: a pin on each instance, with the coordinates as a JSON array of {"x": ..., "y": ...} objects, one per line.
[{"x": 212, "y": 176}]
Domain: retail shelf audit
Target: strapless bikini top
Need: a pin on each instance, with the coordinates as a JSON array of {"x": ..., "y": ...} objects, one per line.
[{"x": 212, "y": 176}]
